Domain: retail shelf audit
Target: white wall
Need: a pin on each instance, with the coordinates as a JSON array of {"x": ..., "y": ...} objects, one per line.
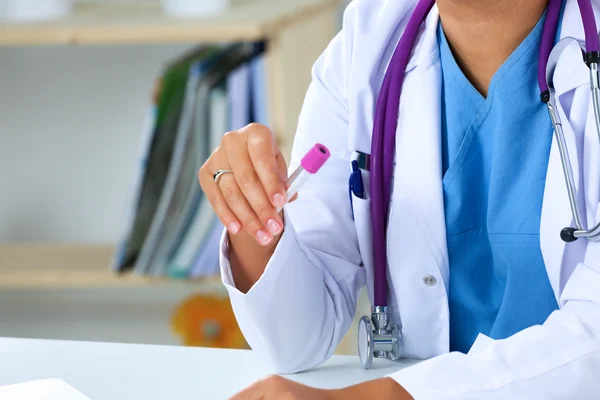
[{"x": 70, "y": 122}]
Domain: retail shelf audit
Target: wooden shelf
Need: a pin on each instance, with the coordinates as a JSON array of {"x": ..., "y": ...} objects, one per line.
[
  {"x": 115, "y": 23},
  {"x": 33, "y": 266}
]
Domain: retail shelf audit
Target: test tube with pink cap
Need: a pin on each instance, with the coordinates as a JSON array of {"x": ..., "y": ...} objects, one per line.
[{"x": 310, "y": 164}]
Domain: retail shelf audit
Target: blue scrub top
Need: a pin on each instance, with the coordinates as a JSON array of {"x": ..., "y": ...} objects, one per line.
[{"x": 495, "y": 154}]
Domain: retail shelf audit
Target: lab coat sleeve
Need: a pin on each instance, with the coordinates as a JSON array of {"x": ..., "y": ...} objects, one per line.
[
  {"x": 305, "y": 301},
  {"x": 557, "y": 360}
]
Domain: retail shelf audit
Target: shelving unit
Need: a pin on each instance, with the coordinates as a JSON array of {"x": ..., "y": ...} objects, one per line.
[
  {"x": 43, "y": 266},
  {"x": 295, "y": 32}
]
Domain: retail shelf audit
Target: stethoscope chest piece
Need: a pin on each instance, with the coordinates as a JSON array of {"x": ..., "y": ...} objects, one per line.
[{"x": 378, "y": 337}]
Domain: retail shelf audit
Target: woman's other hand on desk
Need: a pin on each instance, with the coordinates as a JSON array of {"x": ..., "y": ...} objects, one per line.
[
  {"x": 277, "y": 388},
  {"x": 246, "y": 200}
]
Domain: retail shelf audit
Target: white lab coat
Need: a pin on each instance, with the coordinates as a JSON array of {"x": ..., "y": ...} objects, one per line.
[{"x": 304, "y": 303}]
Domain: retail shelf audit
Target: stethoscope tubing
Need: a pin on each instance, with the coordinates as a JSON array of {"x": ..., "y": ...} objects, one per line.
[{"x": 383, "y": 146}]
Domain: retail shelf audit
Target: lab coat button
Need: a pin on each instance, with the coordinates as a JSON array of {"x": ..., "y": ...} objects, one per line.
[{"x": 430, "y": 280}]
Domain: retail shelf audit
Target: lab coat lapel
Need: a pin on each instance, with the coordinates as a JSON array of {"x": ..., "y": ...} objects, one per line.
[
  {"x": 570, "y": 74},
  {"x": 556, "y": 209},
  {"x": 571, "y": 23},
  {"x": 418, "y": 171}
]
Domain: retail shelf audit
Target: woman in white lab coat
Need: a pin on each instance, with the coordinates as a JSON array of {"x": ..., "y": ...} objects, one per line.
[{"x": 480, "y": 282}]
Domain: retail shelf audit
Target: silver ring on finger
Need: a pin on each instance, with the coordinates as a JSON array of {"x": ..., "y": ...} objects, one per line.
[{"x": 219, "y": 174}]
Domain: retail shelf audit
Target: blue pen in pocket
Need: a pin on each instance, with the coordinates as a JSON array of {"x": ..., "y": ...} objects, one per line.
[{"x": 355, "y": 185}]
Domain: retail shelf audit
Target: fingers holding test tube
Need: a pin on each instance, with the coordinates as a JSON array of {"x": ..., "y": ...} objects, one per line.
[
  {"x": 254, "y": 183},
  {"x": 238, "y": 196},
  {"x": 245, "y": 180}
]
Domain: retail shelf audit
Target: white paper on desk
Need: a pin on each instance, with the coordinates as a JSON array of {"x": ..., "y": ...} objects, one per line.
[{"x": 46, "y": 389}]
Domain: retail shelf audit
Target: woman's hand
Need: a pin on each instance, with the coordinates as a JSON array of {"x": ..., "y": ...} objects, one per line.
[
  {"x": 246, "y": 200},
  {"x": 276, "y": 388}
]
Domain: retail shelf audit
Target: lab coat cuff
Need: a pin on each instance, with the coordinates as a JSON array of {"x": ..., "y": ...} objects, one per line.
[
  {"x": 436, "y": 379},
  {"x": 225, "y": 264},
  {"x": 285, "y": 246}
]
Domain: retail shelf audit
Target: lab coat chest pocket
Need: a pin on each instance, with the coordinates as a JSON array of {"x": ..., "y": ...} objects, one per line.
[{"x": 363, "y": 226}]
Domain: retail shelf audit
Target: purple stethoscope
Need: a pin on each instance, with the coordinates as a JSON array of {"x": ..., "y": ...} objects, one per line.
[{"x": 378, "y": 336}]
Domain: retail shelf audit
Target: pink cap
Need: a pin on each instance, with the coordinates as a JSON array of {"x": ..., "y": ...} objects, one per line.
[{"x": 315, "y": 158}]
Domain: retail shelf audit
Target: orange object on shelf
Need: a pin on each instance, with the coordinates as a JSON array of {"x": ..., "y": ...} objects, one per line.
[{"x": 208, "y": 321}]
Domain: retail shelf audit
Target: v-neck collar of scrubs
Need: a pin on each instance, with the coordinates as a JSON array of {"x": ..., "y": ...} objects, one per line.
[
  {"x": 496, "y": 153},
  {"x": 474, "y": 107}
]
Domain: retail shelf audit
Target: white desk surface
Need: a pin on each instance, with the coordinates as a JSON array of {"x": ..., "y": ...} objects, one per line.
[{"x": 104, "y": 371}]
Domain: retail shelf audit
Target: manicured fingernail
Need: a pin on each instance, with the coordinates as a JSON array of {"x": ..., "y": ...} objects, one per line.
[
  {"x": 263, "y": 237},
  {"x": 274, "y": 227},
  {"x": 234, "y": 227},
  {"x": 279, "y": 200}
]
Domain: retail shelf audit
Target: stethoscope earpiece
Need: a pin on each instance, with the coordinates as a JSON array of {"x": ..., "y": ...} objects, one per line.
[{"x": 568, "y": 235}]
